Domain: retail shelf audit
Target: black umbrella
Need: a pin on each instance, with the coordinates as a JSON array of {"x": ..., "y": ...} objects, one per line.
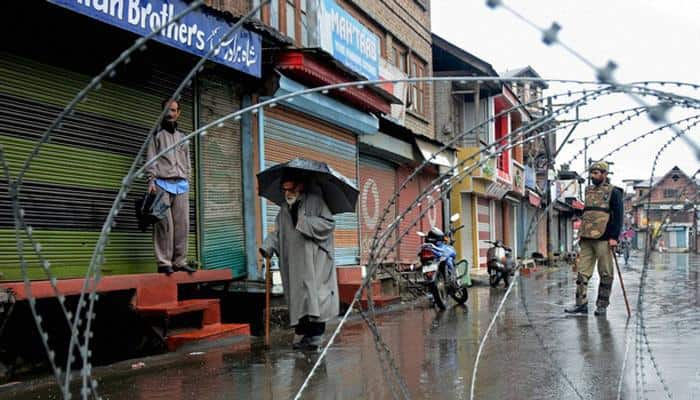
[{"x": 339, "y": 193}]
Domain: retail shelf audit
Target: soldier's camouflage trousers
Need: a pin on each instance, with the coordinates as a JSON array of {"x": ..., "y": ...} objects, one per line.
[{"x": 593, "y": 251}]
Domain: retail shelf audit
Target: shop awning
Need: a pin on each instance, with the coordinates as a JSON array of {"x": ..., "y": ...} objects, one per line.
[
  {"x": 327, "y": 109},
  {"x": 533, "y": 198},
  {"x": 310, "y": 68},
  {"x": 386, "y": 146},
  {"x": 444, "y": 159}
]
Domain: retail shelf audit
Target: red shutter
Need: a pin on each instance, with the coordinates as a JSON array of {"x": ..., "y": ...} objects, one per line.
[
  {"x": 409, "y": 243},
  {"x": 377, "y": 187}
]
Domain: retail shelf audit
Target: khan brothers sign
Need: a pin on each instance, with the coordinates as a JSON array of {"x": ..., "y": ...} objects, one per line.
[{"x": 196, "y": 32}]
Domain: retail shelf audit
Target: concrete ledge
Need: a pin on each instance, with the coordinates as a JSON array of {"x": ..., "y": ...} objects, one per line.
[{"x": 69, "y": 287}]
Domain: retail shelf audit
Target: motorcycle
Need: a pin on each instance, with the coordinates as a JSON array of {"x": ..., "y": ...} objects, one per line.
[
  {"x": 500, "y": 264},
  {"x": 441, "y": 274}
]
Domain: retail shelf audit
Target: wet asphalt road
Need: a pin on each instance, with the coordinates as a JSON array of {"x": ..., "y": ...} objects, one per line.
[{"x": 542, "y": 354}]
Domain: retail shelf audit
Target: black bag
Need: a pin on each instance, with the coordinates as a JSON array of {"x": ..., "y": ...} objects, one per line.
[{"x": 150, "y": 209}]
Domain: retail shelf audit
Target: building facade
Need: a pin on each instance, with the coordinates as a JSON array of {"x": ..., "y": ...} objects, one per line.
[
  {"x": 667, "y": 207},
  {"x": 475, "y": 116}
]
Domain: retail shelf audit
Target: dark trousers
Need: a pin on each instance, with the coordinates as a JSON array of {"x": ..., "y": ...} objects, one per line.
[{"x": 309, "y": 328}]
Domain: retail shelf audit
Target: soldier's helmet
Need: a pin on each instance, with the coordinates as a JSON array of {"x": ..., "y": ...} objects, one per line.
[{"x": 600, "y": 166}]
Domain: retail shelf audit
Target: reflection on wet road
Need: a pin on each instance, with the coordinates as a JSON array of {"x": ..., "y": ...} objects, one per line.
[{"x": 435, "y": 351}]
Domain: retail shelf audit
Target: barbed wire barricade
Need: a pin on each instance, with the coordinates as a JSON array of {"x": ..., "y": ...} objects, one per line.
[
  {"x": 537, "y": 219},
  {"x": 381, "y": 247},
  {"x": 446, "y": 182}
]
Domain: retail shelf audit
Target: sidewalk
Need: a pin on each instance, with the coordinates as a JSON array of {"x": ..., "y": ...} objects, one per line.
[{"x": 480, "y": 276}]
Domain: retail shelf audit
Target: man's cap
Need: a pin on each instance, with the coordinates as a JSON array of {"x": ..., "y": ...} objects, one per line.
[
  {"x": 292, "y": 175},
  {"x": 600, "y": 166}
]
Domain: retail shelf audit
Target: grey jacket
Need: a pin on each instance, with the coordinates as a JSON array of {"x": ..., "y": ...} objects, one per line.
[
  {"x": 306, "y": 259},
  {"x": 175, "y": 164}
]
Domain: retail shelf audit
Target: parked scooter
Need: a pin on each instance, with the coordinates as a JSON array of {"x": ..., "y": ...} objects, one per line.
[
  {"x": 440, "y": 273},
  {"x": 500, "y": 264}
]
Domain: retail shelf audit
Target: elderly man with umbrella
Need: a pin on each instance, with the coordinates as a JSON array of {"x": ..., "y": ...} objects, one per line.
[{"x": 308, "y": 193}]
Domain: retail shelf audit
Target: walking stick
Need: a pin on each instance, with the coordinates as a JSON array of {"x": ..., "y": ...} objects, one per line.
[
  {"x": 268, "y": 284},
  {"x": 622, "y": 283}
]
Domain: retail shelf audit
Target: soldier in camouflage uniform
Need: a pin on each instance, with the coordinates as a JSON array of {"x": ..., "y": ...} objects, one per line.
[{"x": 601, "y": 226}]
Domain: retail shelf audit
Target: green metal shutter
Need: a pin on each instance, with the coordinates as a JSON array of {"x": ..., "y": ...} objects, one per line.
[
  {"x": 223, "y": 234},
  {"x": 72, "y": 184}
]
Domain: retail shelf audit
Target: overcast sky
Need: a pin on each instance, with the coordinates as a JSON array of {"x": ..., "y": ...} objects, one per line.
[{"x": 648, "y": 39}]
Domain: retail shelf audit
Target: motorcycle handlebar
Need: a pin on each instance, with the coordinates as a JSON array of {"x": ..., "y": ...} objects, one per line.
[
  {"x": 499, "y": 244},
  {"x": 457, "y": 228}
]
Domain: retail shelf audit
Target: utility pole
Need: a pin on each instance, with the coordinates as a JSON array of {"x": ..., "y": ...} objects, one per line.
[
  {"x": 550, "y": 164},
  {"x": 695, "y": 227},
  {"x": 586, "y": 163}
]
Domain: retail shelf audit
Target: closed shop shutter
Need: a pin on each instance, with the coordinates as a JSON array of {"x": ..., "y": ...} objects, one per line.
[
  {"x": 483, "y": 210},
  {"x": 542, "y": 233},
  {"x": 498, "y": 219},
  {"x": 563, "y": 238},
  {"x": 222, "y": 231},
  {"x": 377, "y": 187},
  {"x": 536, "y": 237},
  {"x": 433, "y": 217},
  {"x": 72, "y": 183},
  {"x": 681, "y": 238},
  {"x": 408, "y": 248},
  {"x": 514, "y": 227},
  {"x": 467, "y": 245},
  {"x": 289, "y": 134},
  {"x": 641, "y": 239}
]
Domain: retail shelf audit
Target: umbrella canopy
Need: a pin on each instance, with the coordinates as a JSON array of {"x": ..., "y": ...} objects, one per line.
[{"x": 339, "y": 192}]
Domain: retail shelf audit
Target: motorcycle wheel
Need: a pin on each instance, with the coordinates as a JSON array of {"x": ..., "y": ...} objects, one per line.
[
  {"x": 493, "y": 280},
  {"x": 439, "y": 290},
  {"x": 461, "y": 295}
]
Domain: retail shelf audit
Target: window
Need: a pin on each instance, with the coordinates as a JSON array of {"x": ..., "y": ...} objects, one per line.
[
  {"x": 501, "y": 134},
  {"x": 290, "y": 17},
  {"x": 670, "y": 193},
  {"x": 303, "y": 12},
  {"x": 297, "y": 20},
  {"x": 503, "y": 159},
  {"x": 398, "y": 57},
  {"x": 418, "y": 102}
]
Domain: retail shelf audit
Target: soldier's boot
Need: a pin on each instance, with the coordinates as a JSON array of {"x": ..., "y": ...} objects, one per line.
[
  {"x": 581, "y": 306},
  {"x": 604, "y": 289}
]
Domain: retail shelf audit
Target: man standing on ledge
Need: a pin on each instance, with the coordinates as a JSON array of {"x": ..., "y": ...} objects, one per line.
[
  {"x": 601, "y": 226},
  {"x": 170, "y": 174}
]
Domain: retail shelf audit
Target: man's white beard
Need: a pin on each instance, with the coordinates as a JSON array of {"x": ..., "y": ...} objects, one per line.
[{"x": 291, "y": 200}]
